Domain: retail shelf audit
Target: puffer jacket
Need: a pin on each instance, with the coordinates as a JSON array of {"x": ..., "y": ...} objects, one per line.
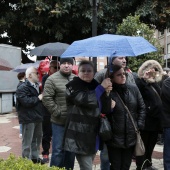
[
  {"x": 30, "y": 108},
  {"x": 83, "y": 122},
  {"x": 54, "y": 96},
  {"x": 124, "y": 135}
]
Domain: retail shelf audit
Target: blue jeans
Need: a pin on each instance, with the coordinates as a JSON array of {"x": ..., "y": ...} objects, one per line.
[
  {"x": 104, "y": 158},
  {"x": 166, "y": 151},
  {"x": 59, "y": 157}
]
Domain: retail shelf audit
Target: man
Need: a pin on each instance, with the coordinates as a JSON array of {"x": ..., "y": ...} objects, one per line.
[
  {"x": 30, "y": 112},
  {"x": 100, "y": 76},
  {"x": 47, "y": 130},
  {"x": 121, "y": 60},
  {"x": 54, "y": 100},
  {"x": 165, "y": 95}
]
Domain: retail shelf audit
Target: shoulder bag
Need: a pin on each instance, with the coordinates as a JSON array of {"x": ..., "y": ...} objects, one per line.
[{"x": 105, "y": 131}]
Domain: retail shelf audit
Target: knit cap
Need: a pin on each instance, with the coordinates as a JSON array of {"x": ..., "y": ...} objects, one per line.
[{"x": 64, "y": 60}]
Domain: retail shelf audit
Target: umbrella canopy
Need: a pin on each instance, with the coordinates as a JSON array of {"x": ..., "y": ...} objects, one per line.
[
  {"x": 50, "y": 49},
  {"x": 23, "y": 67},
  {"x": 5, "y": 65},
  {"x": 109, "y": 45}
]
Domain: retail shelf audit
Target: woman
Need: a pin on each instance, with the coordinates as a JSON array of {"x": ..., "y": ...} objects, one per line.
[
  {"x": 150, "y": 73},
  {"x": 84, "y": 115},
  {"x": 121, "y": 146}
]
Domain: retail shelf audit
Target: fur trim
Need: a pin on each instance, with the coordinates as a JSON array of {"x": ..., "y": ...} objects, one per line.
[{"x": 147, "y": 65}]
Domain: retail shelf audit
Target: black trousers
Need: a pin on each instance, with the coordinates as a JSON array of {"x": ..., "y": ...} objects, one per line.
[
  {"x": 149, "y": 139},
  {"x": 120, "y": 158},
  {"x": 47, "y": 134}
]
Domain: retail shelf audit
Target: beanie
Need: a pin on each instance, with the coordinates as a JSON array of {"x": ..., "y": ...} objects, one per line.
[{"x": 68, "y": 60}]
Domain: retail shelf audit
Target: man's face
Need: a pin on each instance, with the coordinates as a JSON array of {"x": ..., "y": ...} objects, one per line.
[
  {"x": 120, "y": 61},
  {"x": 34, "y": 76},
  {"x": 66, "y": 68},
  {"x": 54, "y": 68}
]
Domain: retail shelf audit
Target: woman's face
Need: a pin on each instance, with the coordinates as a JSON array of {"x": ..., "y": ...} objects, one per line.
[
  {"x": 119, "y": 77},
  {"x": 86, "y": 73}
]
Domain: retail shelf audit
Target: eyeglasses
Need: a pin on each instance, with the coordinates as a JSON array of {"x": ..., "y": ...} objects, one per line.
[
  {"x": 86, "y": 71},
  {"x": 35, "y": 73}
]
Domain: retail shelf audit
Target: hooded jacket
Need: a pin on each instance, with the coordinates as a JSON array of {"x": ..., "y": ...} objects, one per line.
[{"x": 150, "y": 92}]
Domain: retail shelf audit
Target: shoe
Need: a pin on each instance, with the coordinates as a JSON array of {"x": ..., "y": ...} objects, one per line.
[
  {"x": 38, "y": 161},
  {"x": 151, "y": 168},
  {"x": 20, "y": 136},
  {"x": 160, "y": 143},
  {"x": 46, "y": 158}
]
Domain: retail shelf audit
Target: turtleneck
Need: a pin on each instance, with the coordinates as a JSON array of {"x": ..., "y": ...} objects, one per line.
[{"x": 121, "y": 89}]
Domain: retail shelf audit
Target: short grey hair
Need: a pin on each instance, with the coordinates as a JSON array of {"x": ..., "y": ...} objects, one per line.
[{"x": 29, "y": 70}]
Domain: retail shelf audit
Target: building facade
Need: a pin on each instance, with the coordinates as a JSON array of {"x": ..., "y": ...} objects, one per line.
[{"x": 164, "y": 39}]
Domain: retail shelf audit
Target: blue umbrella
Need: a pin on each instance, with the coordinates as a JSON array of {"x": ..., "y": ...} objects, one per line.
[{"x": 109, "y": 45}]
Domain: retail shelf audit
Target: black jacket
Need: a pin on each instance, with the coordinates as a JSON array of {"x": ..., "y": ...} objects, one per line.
[
  {"x": 46, "y": 112},
  {"x": 30, "y": 108},
  {"x": 83, "y": 122},
  {"x": 124, "y": 135},
  {"x": 153, "y": 104},
  {"x": 165, "y": 95}
]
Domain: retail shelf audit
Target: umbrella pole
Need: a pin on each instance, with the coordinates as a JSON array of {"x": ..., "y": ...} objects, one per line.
[
  {"x": 108, "y": 68},
  {"x": 108, "y": 73},
  {"x": 57, "y": 62}
]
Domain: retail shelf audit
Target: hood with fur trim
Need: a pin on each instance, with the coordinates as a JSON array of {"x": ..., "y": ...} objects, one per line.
[{"x": 151, "y": 64}]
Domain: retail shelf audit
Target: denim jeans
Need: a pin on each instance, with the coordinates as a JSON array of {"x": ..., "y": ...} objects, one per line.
[
  {"x": 104, "y": 158},
  {"x": 20, "y": 128},
  {"x": 85, "y": 161},
  {"x": 166, "y": 151},
  {"x": 59, "y": 157}
]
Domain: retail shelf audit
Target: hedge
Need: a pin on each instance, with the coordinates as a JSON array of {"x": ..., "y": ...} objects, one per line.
[{"x": 19, "y": 163}]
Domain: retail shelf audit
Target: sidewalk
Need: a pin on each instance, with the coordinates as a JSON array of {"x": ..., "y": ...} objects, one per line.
[{"x": 11, "y": 143}]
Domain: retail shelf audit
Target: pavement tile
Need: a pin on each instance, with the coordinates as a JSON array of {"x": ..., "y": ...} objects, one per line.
[{"x": 11, "y": 143}]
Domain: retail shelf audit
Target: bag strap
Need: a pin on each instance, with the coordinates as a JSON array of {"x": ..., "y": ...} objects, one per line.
[
  {"x": 155, "y": 92},
  {"x": 128, "y": 112}
]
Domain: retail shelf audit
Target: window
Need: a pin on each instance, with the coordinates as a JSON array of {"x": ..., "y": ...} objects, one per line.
[
  {"x": 168, "y": 48},
  {"x": 160, "y": 33}
]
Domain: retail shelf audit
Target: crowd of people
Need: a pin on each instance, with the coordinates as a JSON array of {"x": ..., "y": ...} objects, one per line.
[{"x": 65, "y": 113}]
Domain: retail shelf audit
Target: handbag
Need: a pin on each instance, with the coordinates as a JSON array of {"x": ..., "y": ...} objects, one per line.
[
  {"x": 139, "y": 147},
  {"x": 105, "y": 131}
]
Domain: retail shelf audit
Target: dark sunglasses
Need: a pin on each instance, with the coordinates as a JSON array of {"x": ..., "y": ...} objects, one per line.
[{"x": 55, "y": 67}]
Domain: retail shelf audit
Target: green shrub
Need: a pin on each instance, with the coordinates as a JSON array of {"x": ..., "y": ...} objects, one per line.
[{"x": 14, "y": 163}]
